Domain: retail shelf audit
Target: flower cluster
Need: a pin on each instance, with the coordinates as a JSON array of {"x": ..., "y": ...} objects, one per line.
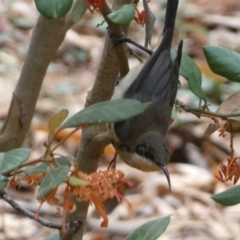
[
  {"x": 95, "y": 188},
  {"x": 98, "y": 187},
  {"x": 229, "y": 172},
  {"x": 32, "y": 180}
]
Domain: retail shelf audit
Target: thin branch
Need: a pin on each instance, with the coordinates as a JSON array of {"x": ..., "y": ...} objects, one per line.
[
  {"x": 63, "y": 139},
  {"x": 72, "y": 227},
  {"x": 27, "y": 213},
  {"x": 199, "y": 112},
  {"x": 125, "y": 39}
]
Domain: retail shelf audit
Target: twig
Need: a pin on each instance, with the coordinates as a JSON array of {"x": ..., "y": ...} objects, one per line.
[
  {"x": 131, "y": 52},
  {"x": 72, "y": 227},
  {"x": 63, "y": 139},
  {"x": 199, "y": 112},
  {"x": 27, "y": 213}
]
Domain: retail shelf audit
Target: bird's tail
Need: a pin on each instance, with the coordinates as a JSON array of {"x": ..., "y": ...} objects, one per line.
[{"x": 171, "y": 12}]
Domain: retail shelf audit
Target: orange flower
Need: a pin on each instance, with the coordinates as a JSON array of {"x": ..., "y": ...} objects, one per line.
[
  {"x": 100, "y": 186},
  {"x": 68, "y": 206},
  {"x": 229, "y": 172},
  {"x": 100, "y": 208},
  {"x": 49, "y": 198},
  {"x": 33, "y": 178}
]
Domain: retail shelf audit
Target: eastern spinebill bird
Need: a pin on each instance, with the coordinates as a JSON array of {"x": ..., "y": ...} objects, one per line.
[{"x": 140, "y": 141}]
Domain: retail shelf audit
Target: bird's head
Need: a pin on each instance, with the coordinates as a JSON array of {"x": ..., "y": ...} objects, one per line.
[{"x": 148, "y": 153}]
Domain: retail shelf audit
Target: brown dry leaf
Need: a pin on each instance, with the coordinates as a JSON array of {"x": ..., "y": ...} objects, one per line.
[
  {"x": 150, "y": 20},
  {"x": 230, "y": 105}
]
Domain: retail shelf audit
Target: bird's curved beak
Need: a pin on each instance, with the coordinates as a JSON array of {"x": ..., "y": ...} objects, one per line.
[{"x": 166, "y": 172}]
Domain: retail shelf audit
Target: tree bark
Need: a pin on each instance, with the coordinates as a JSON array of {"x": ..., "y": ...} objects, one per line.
[{"x": 47, "y": 37}]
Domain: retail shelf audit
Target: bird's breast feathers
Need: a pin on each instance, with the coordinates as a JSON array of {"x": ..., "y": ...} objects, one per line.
[{"x": 137, "y": 161}]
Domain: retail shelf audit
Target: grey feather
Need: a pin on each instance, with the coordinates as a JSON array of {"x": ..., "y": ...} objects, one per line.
[{"x": 157, "y": 82}]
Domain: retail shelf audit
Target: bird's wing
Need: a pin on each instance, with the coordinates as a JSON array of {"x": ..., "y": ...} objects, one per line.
[
  {"x": 157, "y": 83},
  {"x": 154, "y": 75}
]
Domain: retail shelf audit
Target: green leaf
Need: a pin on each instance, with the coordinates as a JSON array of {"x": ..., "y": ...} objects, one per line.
[
  {"x": 190, "y": 71},
  {"x": 54, "y": 236},
  {"x": 40, "y": 168},
  {"x": 43, "y": 167},
  {"x": 229, "y": 197},
  {"x": 74, "y": 181},
  {"x": 3, "y": 182},
  {"x": 13, "y": 159},
  {"x": 123, "y": 15},
  {"x": 57, "y": 119},
  {"x": 223, "y": 61},
  {"x": 53, "y": 8},
  {"x": 150, "y": 230},
  {"x": 78, "y": 10},
  {"x": 52, "y": 179},
  {"x": 106, "y": 112}
]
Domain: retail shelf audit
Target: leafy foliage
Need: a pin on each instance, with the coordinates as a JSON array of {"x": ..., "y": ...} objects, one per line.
[
  {"x": 13, "y": 159},
  {"x": 3, "y": 182},
  {"x": 43, "y": 166},
  {"x": 106, "y": 112},
  {"x": 150, "y": 230},
  {"x": 57, "y": 119},
  {"x": 53, "y": 178},
  {"x": 53, "y": 8},
  {"x": 191, "y": 72},
  {"x": 229, "y": 197},
  {"x": 123, "y": 15},
  {"x": 223, "y": 61}
]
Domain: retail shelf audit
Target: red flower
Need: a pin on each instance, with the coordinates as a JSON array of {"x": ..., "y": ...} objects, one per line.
[
  {"x": 141, "y": 16},
  {"x": 95, "y": 5}
]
